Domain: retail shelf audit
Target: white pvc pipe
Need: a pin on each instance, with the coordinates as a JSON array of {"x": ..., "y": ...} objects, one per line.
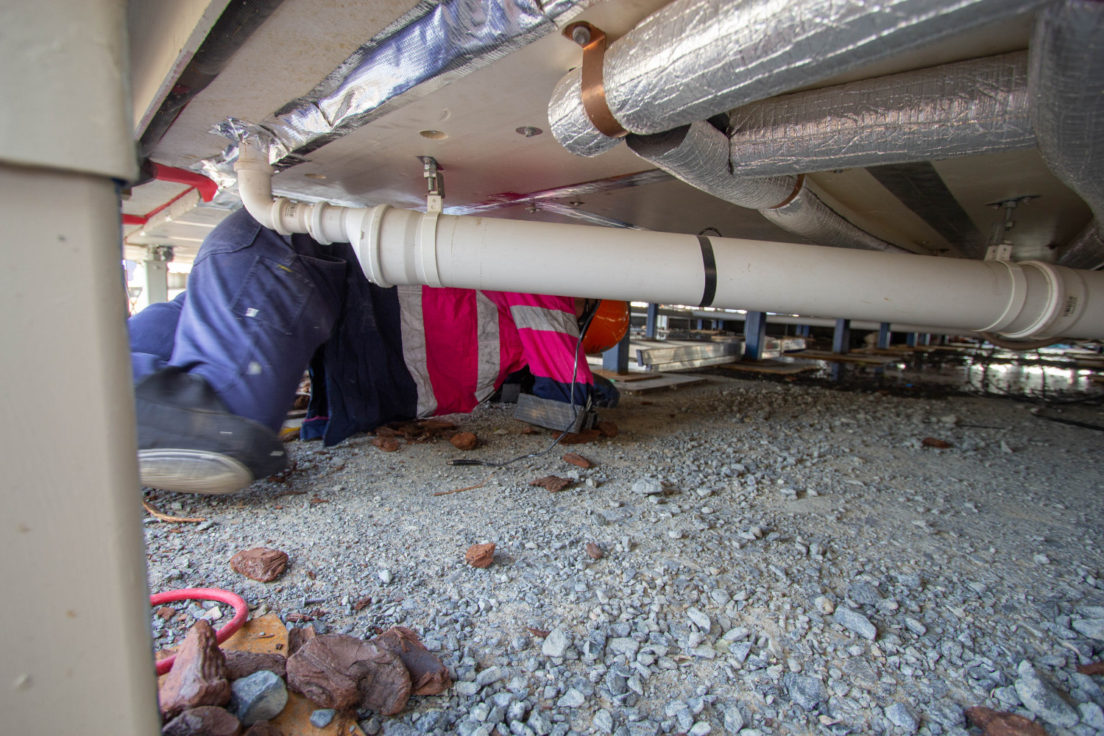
[{"x": 404, "y": 247}]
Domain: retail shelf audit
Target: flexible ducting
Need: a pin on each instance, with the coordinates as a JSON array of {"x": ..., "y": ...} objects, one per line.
[
  {"x": 696, "y": 58},
  {"x": 1067, "y": 96},
  {"x": 970, "y": 107},
  {"x": 699, "y": 155},
  {"x": 1086, "y": 250}
]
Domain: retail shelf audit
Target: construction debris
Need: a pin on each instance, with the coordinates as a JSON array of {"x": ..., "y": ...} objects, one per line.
[
  {"x": 480, "y": 555},
  {"x": 553, "y": 483},
  {"x": 260, "y": 563},
  {"x": 198, "y": 676},
  {"x": 579, "y": 460},
  {"x": 342, "y": 672}
]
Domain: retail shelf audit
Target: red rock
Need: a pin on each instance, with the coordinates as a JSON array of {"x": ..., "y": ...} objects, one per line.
[
  {"x": 428, "y": 674},
  {"x": 198, "y": 676},
  {"x": 936, "y": 443},
  {"x": 587, "y": 435},
  {"x": 242, "y": 664},
  {"x": 594, "y": 551},
  {"x": 480, "y": 555},
  {"x": 607, "y": 428},
  {"x": 260, "y": 563},
  {"x": 464, "y": 441},
  {"x": 387, "y": 444},
  {"x": 995, "y": 723},
  {"x": 263, "y": 728},
  {"x": 1096, "y": 668},
  {"x": 435, "y": 427},
  {"x": 579, "y": 460},
  {"x": 206, "y": 720},
  {"x": 553, "y": 483},
  {"x": 299, "y": 636},
  {"x": 343, "y": 672}
]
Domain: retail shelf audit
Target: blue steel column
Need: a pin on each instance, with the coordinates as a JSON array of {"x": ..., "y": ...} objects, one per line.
[
  {"x": 617, "y": 357},
  {"x": 885, "y": 337},
  {"x": 841, "y": 339},
  {"x": 755, "y": 334},
  {"x": 911, "y": 340},
  {"x": 650, "y": 320}
]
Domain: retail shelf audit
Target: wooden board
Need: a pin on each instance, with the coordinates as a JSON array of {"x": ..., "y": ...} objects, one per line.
[
  {"x": 660, "y": 381},
  {"x": 622, "y": 377},
  {"x": 771, "y": 367},
  {"x": 863, "y": 358}
]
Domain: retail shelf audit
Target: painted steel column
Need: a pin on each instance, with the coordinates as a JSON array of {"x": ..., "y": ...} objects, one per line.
[
  {"x": 617, "y": 357},
  {"x": 885, "y": 336},
  {"x": 153, "y": 277},
  {"x": 911, "y": 340},
  {"x": 650, "y": 321},
  {"x": 841, "y": 338},
  {"x": 755, "y": 335},
  {"x": 79, "y": 657}
]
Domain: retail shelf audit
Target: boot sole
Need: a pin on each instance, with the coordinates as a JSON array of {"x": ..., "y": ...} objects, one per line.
[{"x": 192, "y": 471}]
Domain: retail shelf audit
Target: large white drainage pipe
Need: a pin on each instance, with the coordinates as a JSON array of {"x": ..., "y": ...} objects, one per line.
[{"x": 405, "y": 247}]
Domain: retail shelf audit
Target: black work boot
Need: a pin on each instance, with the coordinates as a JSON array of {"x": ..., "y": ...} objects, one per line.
[{"x": 189, "y": 442}]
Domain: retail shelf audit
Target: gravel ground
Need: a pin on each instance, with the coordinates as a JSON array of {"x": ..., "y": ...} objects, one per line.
[{"x": 776, "y": 559}]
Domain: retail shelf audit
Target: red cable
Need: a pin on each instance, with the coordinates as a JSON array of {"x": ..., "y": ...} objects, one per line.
[{"x": 241, "y": 610}]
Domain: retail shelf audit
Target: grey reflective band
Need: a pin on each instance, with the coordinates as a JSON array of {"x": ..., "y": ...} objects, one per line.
[{"x": 710, "y": 266}]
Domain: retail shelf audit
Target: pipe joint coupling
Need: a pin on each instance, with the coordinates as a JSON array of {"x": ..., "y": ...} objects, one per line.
[
  {"x": 1065, "y": 301},
  {"x": 366, "y": 241}
]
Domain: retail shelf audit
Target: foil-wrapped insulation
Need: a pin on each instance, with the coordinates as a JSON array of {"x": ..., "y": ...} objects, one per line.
[
  {"x": 1086, "y": 250},
  {"x": 696, "y": 58},
  {"x": 429, "y": 47},
  {"x": 970, "y": 107},
  {"x": 569, "y": 123},
  {"x": 698, "y": 154},
  {"x": 1067, "y": 95},
  {"x": 807, "y": 215}
]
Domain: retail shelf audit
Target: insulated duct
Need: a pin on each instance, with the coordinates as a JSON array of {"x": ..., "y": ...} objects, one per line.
[
  {"x": 970, "y": 107},
  {"x": 1017, "y": 300},
  {"x": 1067, "y": 96},
  {"x": 1086, "y": 250},
  {"x": 700, "y": 155},
  {"x": 696, "y": 58}
]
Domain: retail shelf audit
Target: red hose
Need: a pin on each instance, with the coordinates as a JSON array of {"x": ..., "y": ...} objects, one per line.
[{"x": 241, "y": 610}]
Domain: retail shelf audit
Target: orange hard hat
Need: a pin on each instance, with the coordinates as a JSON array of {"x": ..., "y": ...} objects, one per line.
[{"x": 608, "y": 325}]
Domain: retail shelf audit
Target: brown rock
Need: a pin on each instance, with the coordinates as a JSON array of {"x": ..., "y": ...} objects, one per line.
[
  {"x": 343, "y": 672},
  {"x": 263, "y": 728},
  {"x": 464, "y": 441},
  {"x": 241, "y": 664},
  {"x": 594, "y": 551},
  {"x": 579, "y": 460},
  {"x": 480, "y": 555},
  {"x": 607, "y": 428},
  {"x": 552, "y": 482},
  {"x": 434, "y": 427},
  {"x": 1096, "y": 668},
  {"x": 428, "y": 674},
  {"x": 299, "y": 636},
  {"x": 995, "y": 723},
  {"x": 387, "y": 444},
  {"x": 198, "y": 676},
  {"x": 587, "y": 435},
  {"x": 205, "y": 720},
  {"x": 260, "y": 563},
  {"x": 935, "y": 442}
]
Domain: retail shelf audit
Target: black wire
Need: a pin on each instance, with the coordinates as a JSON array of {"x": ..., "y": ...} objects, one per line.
[{"x": 589, "y": 311}]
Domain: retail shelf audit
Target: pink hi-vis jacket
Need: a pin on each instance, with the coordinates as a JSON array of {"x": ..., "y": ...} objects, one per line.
[{"x": 460, "y": 344}]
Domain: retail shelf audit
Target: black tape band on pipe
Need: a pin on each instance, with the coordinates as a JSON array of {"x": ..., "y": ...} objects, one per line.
[{"x": 710, "y": 266}]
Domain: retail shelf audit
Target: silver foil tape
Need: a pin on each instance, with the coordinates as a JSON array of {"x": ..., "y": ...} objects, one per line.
[
  {"x": 696, "y": 58},
  {"x": 970, "y": 107}
]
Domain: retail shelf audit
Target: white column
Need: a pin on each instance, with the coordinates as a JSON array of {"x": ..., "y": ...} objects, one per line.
[
  {"x": 74, "y": 630},
  {"x": 152, "y": 276}
]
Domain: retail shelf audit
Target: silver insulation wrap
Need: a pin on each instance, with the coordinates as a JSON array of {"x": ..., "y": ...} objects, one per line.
[
  {"x": 432, "y": 45},
  {"x": 971, "y": 107},
  {"x": 698, "y": 154},
  {"x": 808, "y": 216},
  {"x": 696, "y": 58},
  {"x": 1067, "y": 96},
  {"x": 1086, "y": 250}
]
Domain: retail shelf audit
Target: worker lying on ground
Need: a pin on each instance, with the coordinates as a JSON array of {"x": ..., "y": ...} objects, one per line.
[{"x": 216, "y": 370}]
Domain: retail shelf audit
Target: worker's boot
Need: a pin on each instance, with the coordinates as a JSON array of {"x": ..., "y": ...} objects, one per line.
[{"x": 189, "y": 442}]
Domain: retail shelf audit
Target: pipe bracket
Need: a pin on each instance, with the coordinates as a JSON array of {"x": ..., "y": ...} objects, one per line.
[{"x": 593, "y": 41}]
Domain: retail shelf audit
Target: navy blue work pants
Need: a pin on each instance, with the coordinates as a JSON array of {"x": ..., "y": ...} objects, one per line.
[{"x": 256, "y": 309}]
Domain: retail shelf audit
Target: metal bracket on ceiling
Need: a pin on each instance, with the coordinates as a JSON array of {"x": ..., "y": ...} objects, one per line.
[
  {"x": 593, "y": 41},
  {"x": 1000, "y": 244},
  {"x": 435, "y": 184},
  {"x": 159, "y": 253}
]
